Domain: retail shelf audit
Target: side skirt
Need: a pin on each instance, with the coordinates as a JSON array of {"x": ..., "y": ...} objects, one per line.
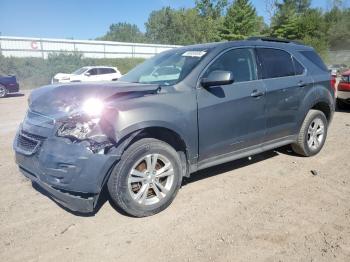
[{"x": 217, "y": 160}]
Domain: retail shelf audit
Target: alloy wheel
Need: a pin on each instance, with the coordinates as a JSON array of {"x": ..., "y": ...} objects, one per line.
[
  {"x": 315, "y": 134},
  {"x": 150, "y": 179}
]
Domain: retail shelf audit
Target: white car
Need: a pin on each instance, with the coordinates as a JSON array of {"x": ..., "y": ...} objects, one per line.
[{"x": 88, "y": 74}]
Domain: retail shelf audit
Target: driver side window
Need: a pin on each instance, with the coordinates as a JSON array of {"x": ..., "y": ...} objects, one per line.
[
  {"x": 240, "y": 62},
  {"x": 93, "y": 72}
]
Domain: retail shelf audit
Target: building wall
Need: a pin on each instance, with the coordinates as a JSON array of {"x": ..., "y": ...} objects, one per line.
[{"x": 41, "y": 47}]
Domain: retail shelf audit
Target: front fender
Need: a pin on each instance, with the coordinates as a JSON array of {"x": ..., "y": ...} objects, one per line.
[{"x": 175, "y": 112}]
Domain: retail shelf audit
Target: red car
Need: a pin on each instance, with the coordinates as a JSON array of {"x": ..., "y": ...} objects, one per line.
[{"x": 343, "y": 95}]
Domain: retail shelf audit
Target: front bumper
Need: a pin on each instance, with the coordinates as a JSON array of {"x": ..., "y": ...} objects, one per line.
[{"x": 69, "y": 172}]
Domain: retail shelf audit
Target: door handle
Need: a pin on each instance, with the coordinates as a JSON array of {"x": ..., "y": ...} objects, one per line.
[
  {"x": 257, "y": 93},
  {"x": 302, "y": 84}
]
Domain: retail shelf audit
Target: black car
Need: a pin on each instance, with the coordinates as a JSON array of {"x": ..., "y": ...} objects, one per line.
[
  {"x": 140, "y": 136},
  {"x": 8, "y": 84}
]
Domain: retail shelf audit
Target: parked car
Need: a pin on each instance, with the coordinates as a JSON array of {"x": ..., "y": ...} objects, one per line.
[
  {"x": 343, "y": 93},
  {"x": 141, "y": 135},
  {"x": 337, "y": 68},
  {"x": 89, "y": 74},
  {"x": 8, "y": 84}
]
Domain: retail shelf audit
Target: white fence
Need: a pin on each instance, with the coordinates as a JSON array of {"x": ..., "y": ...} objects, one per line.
[{"x": 41, "y": 47}]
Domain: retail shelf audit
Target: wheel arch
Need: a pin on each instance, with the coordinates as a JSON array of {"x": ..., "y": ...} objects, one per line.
[{"x": 161, "y": 132}]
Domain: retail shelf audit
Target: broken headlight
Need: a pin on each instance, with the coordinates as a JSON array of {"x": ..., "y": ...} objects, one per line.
[
  {"x": 83, "y": 121},
  {"x": 77, "y": 127}
]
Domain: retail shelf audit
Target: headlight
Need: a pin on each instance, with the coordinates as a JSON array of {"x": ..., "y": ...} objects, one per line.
[
  {"x": 93, "y": 107},
  {"x": 83, "y": 121},
  {"x": 76, "y": 128}
]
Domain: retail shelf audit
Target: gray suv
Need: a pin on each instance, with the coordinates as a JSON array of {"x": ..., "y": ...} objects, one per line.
[{"x": 181, "y": 111}]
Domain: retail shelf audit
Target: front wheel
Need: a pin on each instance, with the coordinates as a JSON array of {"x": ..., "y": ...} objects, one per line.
[
  {"x": 146, "y": 179},
  {"x": 312, "y": 135}
]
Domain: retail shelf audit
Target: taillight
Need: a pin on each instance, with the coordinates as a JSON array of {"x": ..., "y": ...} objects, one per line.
[{"x": 333, "y": 81}]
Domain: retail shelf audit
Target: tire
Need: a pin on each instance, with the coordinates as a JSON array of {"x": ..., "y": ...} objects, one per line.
[
  {"x": 311, "y": 136},
  {"x": 128, "y": 181},
  {"x": 3, "y": 91},
  {"x": 341, "y": 105}
]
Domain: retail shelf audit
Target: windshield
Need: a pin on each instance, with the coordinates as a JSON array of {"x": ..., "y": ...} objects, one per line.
[
  {"x": 80, "y": 71},
  {"x": 166, "y": 68}
]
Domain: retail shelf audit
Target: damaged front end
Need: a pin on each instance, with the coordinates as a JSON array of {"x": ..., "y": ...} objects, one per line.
[
  {"x": 68, "y": 141},
  {"x": 72, "y": 158},
  {"x": 83, "y": 129}
]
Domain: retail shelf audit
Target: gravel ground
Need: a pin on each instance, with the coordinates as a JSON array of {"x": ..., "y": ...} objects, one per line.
[{"x": 268, "y": 208}]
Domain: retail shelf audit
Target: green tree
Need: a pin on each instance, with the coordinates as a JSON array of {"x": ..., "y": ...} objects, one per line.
[
  {"x": 302, "y": 5},
  {"x": 211, "y": 8},
  {"x": 241, "y": 21},
  {"x": 295, "y": 20},
  {"x": 182, "y": 27},
  {"x": 339, "y": 31},
  {"x": 124, "y": 32},
  {"x": 285, "y": 22}
]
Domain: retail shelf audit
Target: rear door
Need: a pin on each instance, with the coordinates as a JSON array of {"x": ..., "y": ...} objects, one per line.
[
  {"x": 286, "y": 82},
  {"x": 104, "y": 74},
  {"x": 231, "y": 117}
]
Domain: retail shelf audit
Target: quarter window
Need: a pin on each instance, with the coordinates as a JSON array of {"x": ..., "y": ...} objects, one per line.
[
  {"x": 315, "y": 59},
  {"x": 241, "y": 62},
  {"x": 299, "y": 69},
  {"x": 275, "y": 63}
]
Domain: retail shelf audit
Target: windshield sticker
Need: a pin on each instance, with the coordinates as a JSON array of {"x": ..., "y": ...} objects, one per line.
[{"x": 194, "y": 53}]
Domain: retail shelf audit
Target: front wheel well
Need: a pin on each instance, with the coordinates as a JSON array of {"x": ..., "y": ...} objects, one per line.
[{"x": 166, "y": 135}]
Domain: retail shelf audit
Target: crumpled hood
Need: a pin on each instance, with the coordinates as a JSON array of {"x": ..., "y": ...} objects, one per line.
[{"x": 53, "y": 100}]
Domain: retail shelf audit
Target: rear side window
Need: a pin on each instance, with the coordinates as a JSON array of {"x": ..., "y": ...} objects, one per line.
[
  {"x": 315, "y": 59},
  {"x": 275, "y": 63},
  {"x": 103, "y": 71},
  {"x": 110, "y": 70},
  {"x": 241, "y": 62}
]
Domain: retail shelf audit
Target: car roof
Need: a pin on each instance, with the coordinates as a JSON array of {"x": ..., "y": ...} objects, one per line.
[
  {"x": 265, "y": 42},
  {"x": 90, "y": 67}
]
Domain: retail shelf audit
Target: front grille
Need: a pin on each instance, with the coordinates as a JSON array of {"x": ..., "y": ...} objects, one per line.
[{"x": 28, "y": 143}]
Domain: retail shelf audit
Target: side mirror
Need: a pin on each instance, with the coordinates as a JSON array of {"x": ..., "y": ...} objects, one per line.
[
  {"x": 87, "y": 74},
  {"x": 218, "y": 78}
]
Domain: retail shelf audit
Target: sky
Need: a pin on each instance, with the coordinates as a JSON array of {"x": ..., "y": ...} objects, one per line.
[{"x": 86, "y": 19}]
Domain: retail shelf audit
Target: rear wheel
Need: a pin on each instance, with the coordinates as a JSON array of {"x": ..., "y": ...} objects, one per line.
[
  {"x": 3, "y": 91},
  {"x": 312, "y": 135},
  {"x": 147, "y": 178}
]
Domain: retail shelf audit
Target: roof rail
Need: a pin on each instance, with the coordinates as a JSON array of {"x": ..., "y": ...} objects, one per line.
[{"x": 272, "y": 39}]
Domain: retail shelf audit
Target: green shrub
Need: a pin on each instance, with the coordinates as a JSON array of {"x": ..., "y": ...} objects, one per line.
[{"x": 34, "y": 72}]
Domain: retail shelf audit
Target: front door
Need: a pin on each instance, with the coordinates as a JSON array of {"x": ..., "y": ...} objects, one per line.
[{"x": 231, "y": 117}]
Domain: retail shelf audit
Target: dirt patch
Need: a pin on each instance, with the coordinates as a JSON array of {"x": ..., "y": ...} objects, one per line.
[{"x": 268, "y": 208}]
